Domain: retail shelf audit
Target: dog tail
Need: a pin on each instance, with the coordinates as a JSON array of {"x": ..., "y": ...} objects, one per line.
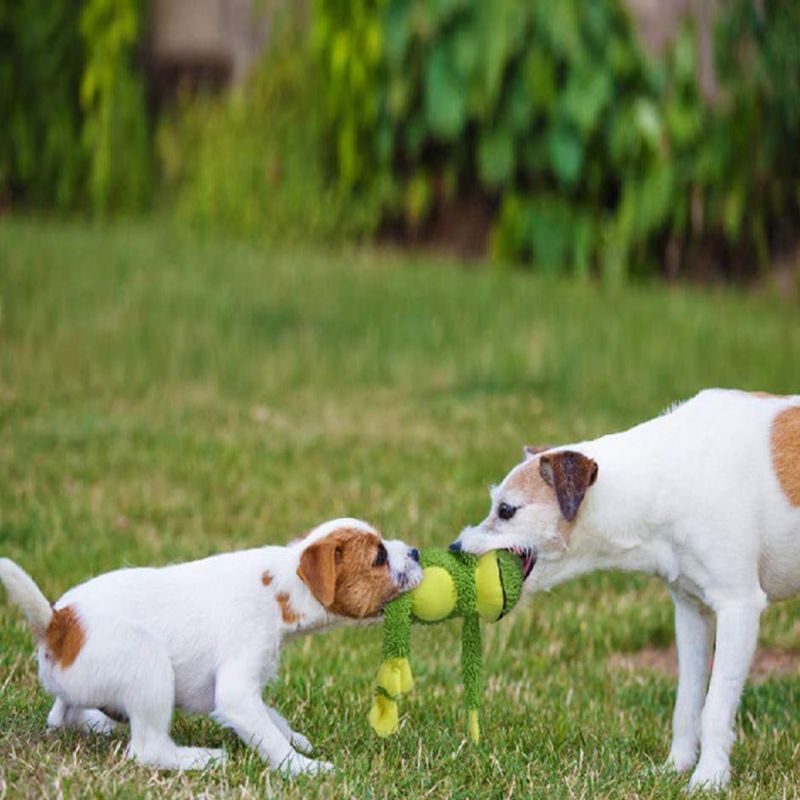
[{"x": 23, "y": 592}]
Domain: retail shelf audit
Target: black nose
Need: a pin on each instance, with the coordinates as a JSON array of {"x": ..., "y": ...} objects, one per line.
[
  {"x": 414, "y": 554},
  {"x": 455, "y": 547}
]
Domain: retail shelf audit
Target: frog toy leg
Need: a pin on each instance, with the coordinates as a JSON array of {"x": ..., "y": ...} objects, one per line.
[
  {"x": 394, "y": 676},
  {"x": 472, "y": 671}
]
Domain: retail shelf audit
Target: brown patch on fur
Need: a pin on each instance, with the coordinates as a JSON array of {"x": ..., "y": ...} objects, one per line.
[
  {"x": 768, "y": 395},
  {"x": 266, "y": 578},
  {"x": 570, "y": 473},
  {"x": 528, "y": 481},
  {"x": 288, "y": 614},
  {"x": 340, "y": 571},
  {"x": 785, "y": 441},
  {"x": 64, "y": 636}
]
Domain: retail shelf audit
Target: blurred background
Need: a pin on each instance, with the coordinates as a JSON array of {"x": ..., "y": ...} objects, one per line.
[
  {"x": 622, "y": 138},
  {"x": 267, "y": 263}
]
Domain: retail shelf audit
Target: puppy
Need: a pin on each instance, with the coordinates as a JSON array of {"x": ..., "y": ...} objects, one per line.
[
  {"x": 708, "y": 497},
  {"x": 204, "y": 636}
]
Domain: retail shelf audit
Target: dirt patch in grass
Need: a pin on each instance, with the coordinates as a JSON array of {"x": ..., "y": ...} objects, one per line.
[{"x": 769, "y": 662}]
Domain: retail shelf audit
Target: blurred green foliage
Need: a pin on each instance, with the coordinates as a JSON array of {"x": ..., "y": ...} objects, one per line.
[
  {"x": 74, "y": 126},
  {"x": 582, "y": 154},
  {"x": 115, "y": 129},
  {"x": 750, "y": 164},
  {"x": 40, "y": 57},
  {"x": 594, "y": 156},
  {"x": 250, "y": 162}
]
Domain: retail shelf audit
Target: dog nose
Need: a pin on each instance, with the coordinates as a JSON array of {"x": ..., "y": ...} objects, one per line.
[
  {"x": 455, "y": 547},
  {"x": 414, "y": 553}
]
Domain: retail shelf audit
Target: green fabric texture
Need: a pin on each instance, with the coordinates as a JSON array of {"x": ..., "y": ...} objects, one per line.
[
  {"x": 397, "y": 627},
  {"x": 511, "y": 576},
  {"x": 399, "y": 617}
]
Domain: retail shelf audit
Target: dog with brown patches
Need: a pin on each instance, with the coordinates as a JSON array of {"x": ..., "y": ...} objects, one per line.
[
  {"x": 707, "y": 496},
  {"x": 204, "y": 636}
]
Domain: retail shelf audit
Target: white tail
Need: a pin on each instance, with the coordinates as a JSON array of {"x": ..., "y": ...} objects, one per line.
[{"x": 23, "y": 592}]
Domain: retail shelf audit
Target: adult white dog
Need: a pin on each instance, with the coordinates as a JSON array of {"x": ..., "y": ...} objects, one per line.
[
  {"x": 707, "y": 496},
  {"x": 204, "y": 636}
]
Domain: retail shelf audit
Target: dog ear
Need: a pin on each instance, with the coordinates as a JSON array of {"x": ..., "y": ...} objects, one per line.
[
  {"x": 531, "y": 450},
  {"x": 317, "y": 570},
  {"x": 570, "y": 474}
]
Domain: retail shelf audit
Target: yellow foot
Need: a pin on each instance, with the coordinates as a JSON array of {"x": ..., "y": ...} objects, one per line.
[
  {"x": 474, "y": 727},
  {"x": 383, "y": 715},
  {"x": 395, "y": 676}
]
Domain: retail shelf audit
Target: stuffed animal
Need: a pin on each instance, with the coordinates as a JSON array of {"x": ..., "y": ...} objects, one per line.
[{"x": 454, "y": 585}]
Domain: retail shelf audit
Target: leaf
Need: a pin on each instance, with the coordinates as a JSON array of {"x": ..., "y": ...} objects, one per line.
[
  {"x": 648, "y": 121},
  {"x": 588, "y": 93},
  {"x": 496, "y": 157},
  {"x": 502, "y": 26},
  {"x": 418, "y": 198},
  {"x": 540, "y": 77},
  {"x": 559, "y": 22},
  {"x": 566, "y": 153},
  {"x": 508, "y": 232},
  {"x": 549, "y": 227},
  {"x": 445, "y": 106},
  {"x": 397, "y": 31},
  {"x": 518, "y": 110}
]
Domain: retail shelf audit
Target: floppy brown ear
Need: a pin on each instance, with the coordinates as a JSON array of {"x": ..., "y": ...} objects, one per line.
[
  {"x": 531, "y": 450},
  {"x": 570, "y": 474},
  {"x": 317, "y": 570}
]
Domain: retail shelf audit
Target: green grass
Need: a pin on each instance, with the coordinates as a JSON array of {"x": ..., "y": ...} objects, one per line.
[{"x": 163, "y": 397}]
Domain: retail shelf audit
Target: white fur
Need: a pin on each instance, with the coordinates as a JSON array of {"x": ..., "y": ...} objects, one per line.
[
  {"x": 691, "y": 496},
  {"x": 204, "y": 636},
  {"x": 23, "y": 592}
]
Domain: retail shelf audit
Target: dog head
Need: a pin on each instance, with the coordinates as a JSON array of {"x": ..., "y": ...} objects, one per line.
[
  {"x": 352, "y": 571},
  {"x": 535, "y": 508}
]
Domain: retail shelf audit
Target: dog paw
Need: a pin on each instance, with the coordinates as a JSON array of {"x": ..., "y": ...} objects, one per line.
[
  {"x": 295, "y": 764},
  {"x": 196, "y": 758},
  {"x": 680, "y": 759},
  {"x": 710, "y": 776},
  {"x": 95, "y": 721},
  {"x": 299, "y": 742}
]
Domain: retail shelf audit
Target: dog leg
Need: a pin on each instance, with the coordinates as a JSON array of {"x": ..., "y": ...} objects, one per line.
[
  {"x": 694, "y": 627},
  {"x": 297, "y": 740},
  {"x": 150, "y": 716},
  {"x": 57, "y": 717},
  {"x": 125, "y": 668},
  {"x": 239, "y": 706},
  {"x": 737, "y": 635},
  {"x": 87, "y": 720}
]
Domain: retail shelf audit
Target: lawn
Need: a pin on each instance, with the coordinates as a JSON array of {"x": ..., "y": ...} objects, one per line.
[{"x": 165, "y": 396}]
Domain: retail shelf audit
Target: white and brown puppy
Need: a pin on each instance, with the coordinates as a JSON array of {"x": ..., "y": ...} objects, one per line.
[
  {"x": 204, "y": 636},
  {"x": 708, "y": 497}
]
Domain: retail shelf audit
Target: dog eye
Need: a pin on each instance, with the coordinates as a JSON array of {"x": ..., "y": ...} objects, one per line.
[
  {"x": 381, "y": 556},
  {"x": 505, "y": 511}
]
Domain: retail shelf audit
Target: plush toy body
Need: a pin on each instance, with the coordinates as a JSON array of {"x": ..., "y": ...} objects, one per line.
[{"x": 453, "y": 585}]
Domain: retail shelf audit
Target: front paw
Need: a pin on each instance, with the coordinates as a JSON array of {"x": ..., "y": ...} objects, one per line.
[
  {"x": 295, "y": 764},
  {"x": 712, "y": 774},
  {"x": 681, "y": 758},
  {"x": 299, "y": 742}
]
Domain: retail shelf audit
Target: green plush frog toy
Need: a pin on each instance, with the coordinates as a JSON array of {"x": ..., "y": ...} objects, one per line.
[{"x": 454, "y": 584}]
